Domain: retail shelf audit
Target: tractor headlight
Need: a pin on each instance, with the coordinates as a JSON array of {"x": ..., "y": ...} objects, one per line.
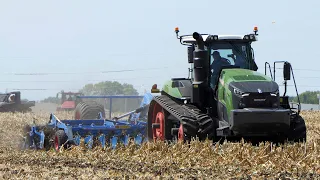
[
  {"x": 250, "y": 36},
  {"x": 237, "y": 92},
  {"x": 276, "y": 93},
  {"x": 211, "y": 38}
]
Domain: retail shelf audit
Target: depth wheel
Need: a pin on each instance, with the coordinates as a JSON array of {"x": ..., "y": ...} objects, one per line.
[{"x": 60, "y": 139}]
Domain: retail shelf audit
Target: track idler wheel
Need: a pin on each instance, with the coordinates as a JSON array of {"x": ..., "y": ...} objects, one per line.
[{"x": 181, "y": 135}]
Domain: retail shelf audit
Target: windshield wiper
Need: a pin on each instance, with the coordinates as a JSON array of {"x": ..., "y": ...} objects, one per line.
[
  {"x": 242, "y": 55},
  {"x": 238, "y": 51}
]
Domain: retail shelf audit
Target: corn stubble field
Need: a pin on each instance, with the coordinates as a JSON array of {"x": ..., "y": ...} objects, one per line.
[{"x": 153, "y": 161}]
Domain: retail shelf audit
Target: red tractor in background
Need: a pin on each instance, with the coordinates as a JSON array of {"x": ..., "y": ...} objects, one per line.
[{"x": 68, "y": 100}]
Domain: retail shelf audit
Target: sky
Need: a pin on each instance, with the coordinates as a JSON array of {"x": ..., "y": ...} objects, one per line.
[{"x": 78, "y": 42}]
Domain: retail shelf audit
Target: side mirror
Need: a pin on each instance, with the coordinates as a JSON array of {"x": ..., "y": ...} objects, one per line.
[
  {"x": 286, "y": 71},
  {"x": 190, "y": 54}
]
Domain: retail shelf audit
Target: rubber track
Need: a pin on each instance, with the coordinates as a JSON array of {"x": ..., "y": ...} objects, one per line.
[
  {"x": 298, "y": 131},
  {"x": 195, "y": 122},
  {"x": 206, "y": 124}
]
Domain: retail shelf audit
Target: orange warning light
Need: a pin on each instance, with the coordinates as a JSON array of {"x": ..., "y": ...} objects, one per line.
[
  {"x": 155, "y": 89},
  {"x": 255, "y": 28},
  {"x": 176, "y": 29},
  {"x": 154, "y": 86}
]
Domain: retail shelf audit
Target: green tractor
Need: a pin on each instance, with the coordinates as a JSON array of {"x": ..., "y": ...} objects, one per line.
[{"x": 225, "y": 97}]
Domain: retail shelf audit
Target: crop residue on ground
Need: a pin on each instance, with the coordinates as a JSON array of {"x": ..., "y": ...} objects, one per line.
[{"x": 199, "y": 160}]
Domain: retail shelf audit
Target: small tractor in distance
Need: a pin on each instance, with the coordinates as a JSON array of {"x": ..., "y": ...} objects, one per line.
[
  {"x": 16, "y": 104},
  {"x": 67, "y": 100},
  {"x": 225, "y": 98}
]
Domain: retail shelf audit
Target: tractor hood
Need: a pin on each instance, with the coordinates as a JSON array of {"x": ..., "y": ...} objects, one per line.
[
  {"x": 68, "y": 104},
  {"x": 254, "y": 87},
  {"x": 248, "y": 81},
  {"x": 242, "y": 75}
]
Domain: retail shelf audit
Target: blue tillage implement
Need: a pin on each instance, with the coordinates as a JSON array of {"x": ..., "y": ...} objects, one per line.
[{"x": 103, "y": 131}]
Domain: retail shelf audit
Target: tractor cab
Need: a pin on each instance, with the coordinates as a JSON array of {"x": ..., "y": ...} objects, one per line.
[
  {"x": 232, "y": 51},
  {"x": 11, "y": 97},
  {"x": 67, "y": 100}
]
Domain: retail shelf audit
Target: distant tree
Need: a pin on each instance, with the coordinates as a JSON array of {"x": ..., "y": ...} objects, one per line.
[
  {"x": 113, "y": 88},
  {"x": 51, "y": 100},
  {"x": 291, "y": 98},
  {"x": 109, "y": 88},
  {"x": 308, "y": 97}
]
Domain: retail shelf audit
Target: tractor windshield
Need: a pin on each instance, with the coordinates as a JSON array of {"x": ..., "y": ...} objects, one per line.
[
  {"x": 70, "y": 97},
  {"x": 229, "y": 53}
]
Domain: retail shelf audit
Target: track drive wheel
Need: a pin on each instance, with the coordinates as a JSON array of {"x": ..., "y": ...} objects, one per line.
[
  {"x": 60, "y": 139},
  {"x": 181, "y": 133},
  {"x": 159, "y": 127},
  {"x": 298, "y": 130}
]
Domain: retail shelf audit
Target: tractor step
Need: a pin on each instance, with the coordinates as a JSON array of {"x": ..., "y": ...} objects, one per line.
[{"x": 223, "y": 131}]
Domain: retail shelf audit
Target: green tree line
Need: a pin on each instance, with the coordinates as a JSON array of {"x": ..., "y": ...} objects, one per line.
[
  {"x": 108, "y": 88},
  {"x": 307, "y": 97},
  {"x": 116, "y": 88}
]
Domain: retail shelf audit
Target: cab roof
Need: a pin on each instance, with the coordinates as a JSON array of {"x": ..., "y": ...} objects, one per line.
[{"x": 188, "y": 39}]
